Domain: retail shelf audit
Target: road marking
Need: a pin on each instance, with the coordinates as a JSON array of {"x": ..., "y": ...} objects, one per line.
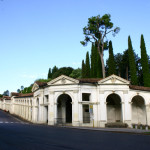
[{"x": 2, "y": 122}]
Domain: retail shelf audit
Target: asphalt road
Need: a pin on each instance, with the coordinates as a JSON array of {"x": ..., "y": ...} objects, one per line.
[{"x": 18, "y": 135}]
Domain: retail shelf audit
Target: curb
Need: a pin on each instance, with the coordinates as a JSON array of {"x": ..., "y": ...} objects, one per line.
[{"x": 114, "y": 131}]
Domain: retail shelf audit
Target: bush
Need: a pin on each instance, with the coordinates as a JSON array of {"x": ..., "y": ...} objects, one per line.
[{"x": 116, "y": 125}]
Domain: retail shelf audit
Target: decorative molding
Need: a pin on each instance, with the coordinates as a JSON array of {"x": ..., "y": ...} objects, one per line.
[
  {"x": 84, "y": 102},
  {"x": 63, "y": 80},
  {"x": 95, "y": 103},
  {"x": 113, "y": 79},
  {"x": 51, "y": 92},
  {"x": 75, "y": 91},
  {"x": 101, "y": 92},
  {"x": 125, "y": 92}
]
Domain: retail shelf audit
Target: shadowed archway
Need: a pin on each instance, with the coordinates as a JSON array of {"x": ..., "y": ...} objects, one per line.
[
  {"x": 138, "y": 110},
  {"x": 64, "y": 108},
  {"x": 114, "y": 113}
]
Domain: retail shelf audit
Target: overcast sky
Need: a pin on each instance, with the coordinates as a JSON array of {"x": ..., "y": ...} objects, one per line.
[{"x": 38, "y": 34}]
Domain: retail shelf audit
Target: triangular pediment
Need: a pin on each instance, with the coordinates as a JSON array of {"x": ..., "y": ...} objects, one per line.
[
  {"x": 61, "y": 80},
  {"x": 113, "y": 79},
  {"x": 35, "y": 87}
]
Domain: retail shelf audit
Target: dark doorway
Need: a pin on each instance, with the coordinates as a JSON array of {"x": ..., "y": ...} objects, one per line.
[
  {"x": 64, "y": 108},
  {"x": 114, "y": 111},
  {"x": 68, "y": 110}
]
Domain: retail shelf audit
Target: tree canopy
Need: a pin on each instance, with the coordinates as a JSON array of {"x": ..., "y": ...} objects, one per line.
[{"x": 96, "y": 31}]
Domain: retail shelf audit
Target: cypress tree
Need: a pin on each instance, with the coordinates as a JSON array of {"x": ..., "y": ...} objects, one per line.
[
  {"x": 49, "y": 73},
  {"x": 92, "y": 60},
  {"x": 99, "y": 67},
  {"x": 83, "y": 69},
  {"x": 111, "y": 60},
  {"x": 144, "y": 62},
  {"x": 87, "y": 66},
  {"x": 132, "y": 65},
  {"x": 55, "y": 69}
]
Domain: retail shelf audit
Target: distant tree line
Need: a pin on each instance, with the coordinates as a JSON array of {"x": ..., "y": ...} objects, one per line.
[{"x": 68, "y": 71}]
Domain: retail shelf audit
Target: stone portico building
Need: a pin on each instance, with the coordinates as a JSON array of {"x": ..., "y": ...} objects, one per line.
[{"x": 83, "y": 102}]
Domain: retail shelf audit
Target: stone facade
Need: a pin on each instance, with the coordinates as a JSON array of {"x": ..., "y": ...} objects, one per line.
[{"x": 83, "y": 102}]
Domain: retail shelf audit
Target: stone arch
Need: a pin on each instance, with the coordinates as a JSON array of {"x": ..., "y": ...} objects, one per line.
[
  {"x": 117, "y": 93},
  {"x": 138, "y": 94},
  {"x": 138, "y": 110},
  {"x": 114, "y": 108},
  {"x": 64, "y": 108},
  {"x": 60, "y": 93}
]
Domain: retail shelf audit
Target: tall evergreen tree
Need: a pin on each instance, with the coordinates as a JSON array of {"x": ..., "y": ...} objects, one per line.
[
  {"x": 49, "y": 73},
  {"x": 111, "y": 61},
  {"x": 144, "y": 62},
  {"x": 132, "y": 65},
  {"x": 94, "y": 57},
  {"x": 83, "y": 69},
  {"x": 99, "y": 67},
  {"x": 125, "y": 70},
  {"x": 87, "y": 66},
  {"x": 92, "y": 60},
  {"x": 55, "y": 69}
]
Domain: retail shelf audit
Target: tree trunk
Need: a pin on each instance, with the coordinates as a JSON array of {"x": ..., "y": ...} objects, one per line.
[
  {"x": 103, "y": 66},
  {"x": 102, "y": 61}
]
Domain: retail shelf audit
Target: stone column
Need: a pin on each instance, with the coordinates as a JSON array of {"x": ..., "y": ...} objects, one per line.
[
  {"x": 123, "y": 111},
  {"x": 34, "y": 114},
  {"x": 75, "y": 108},
  {"x": 51, "y": 109},
  {"x": 24, "y": 115},
  {"x": 29, "y": 110},
  {"x": 147, "y": 107},
  {"x": 21, "y": 108},
  {"x": 127, "y": 109},
  {"x": 103, "y": 110}
]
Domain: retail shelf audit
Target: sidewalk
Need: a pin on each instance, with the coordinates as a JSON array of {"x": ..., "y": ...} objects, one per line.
[{"x": 118, "y": 130}]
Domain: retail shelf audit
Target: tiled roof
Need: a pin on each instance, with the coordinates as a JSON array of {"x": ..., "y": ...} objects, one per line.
[
  {"x": 6, "y": 97},
  {"x": 135, "y": 87},
  {"x": 41, "y": 84},
  {"x": 15, "y": 94},
  {"x": 89, "y": 80},
  {"x": 25, "y": 95}
]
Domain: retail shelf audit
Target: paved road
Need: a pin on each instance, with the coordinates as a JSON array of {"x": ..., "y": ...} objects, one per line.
[{"x": 22, "y": 136}]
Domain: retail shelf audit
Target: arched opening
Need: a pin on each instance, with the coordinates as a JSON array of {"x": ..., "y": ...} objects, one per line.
[
  {"x": 138, "y": 110},
  {"x": 64, "y": 109},
  {"x": 114, "y": 108}
]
